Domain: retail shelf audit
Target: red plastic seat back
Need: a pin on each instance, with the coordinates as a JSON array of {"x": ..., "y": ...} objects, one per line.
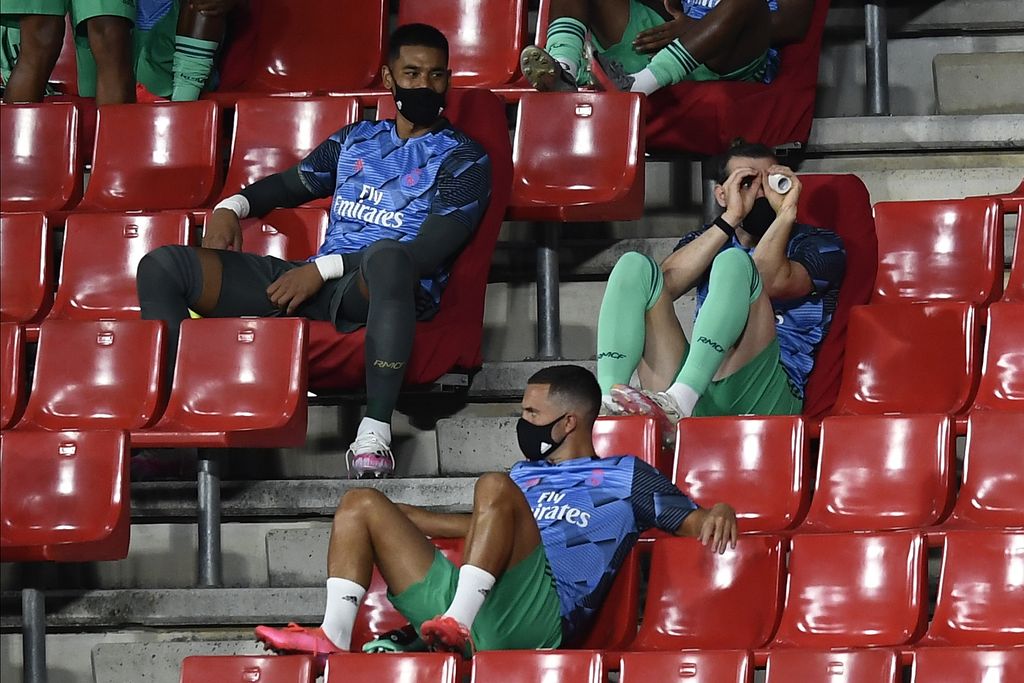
[
  {"x": 272, "y": 134},
  {"x": 1002, "y": 370},
  {"x": 65, "y": 71},
  {"x": 485, "y": 37},
  {"x": 64, "y": 495},
  {"x": 402, "y": 667},
  {"x": 103, "y": 374},
  {"x": 1015, "y": 284},
  {"x": 939, "y": 250},
  {"x": 845, "y": 666},
  {"x": 699, "y": 599},
  {"x": 981, "y": 590},
  {"x": 289, "y": 234},
  {"x": 631, "y": 435},
  {"x": 854, "y": 590},
  {"x": 615, "y": 623},
  {"x": 39, "y": 157},
  {"x": 150, "y": 157},
  {"x": 12, "y": 374},
  {"x": 756, "y": 464},
  {"x": 248, "y": 669},
  {"x": 26, "y": 270},
  {"x": 101, "y": 256},
  {"x": 879, "y": 472},
  {"x": 530, "y": 666},
  {"x": 709, "y": 666},
  {"x": 909, "y": 358},
  {"x": 967, "y": 665},
  {"x": 993, "y": 487}
]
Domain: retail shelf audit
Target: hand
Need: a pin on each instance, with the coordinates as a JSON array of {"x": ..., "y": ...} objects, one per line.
[
  {"x": 653, "y": 39},
  {"x": 739, "y": 197},
  {"x": 292, "y": 289},
  {"x": 223, "y": 231},
  {"x": 783, "y": 203},
  {"x": 718, "y": 530}
]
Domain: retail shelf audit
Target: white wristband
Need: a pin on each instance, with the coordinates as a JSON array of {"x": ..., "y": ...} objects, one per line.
[
  {"x": 236, "y": 203},
  {"x": 331, "y": 266}
]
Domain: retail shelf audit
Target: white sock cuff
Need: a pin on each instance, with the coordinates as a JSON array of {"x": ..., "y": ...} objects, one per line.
[
  {"x": 336, "y": 584},
  {"x": 685, "y": 396},
  {"x": 381, "y": 429},
  {"x": 480, "y": 576}
]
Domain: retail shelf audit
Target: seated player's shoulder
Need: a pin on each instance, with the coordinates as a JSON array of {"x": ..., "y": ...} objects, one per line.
[{"x": 466, "y": 147}]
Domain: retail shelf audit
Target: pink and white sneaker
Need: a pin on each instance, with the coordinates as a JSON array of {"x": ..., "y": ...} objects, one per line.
[
  {"x": 369, "y": 457},
  {"x": 446, "y": 634},
  {"x": 297, "y": 639},
  {"x": 656, "y": 404}
]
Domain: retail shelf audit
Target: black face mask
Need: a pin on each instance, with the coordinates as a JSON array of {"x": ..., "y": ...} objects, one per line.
[
  {"x": 420, "y": 106},
  {"x": 535, "y": 441},
  {"x": 760, "y": 218}
]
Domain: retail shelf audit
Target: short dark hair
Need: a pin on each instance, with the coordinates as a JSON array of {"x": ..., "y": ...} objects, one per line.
[
  {"x": 571, "y": 384},
  {"x": 416, "y": 34},
  {"x": 740, "y": 148}
]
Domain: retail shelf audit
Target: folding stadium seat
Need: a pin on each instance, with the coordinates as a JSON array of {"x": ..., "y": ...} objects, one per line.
[
  {"x": 631, "y": 435},
  {"x": 531, "y": 666},
  {"x": 290, "y": 234},
  {"x": 101, "y": 254},
  {"x": 1002, "y": 370},
  {"x": 879, "y": 472},
  {"x": 699, "y": 599},
  {"x": 590, "y": 166},
  {"x": 484, "y": 38},
  {"x": 12, "y": 374},
  {"x": 1015, "y": 285},
  {"x": 237, "y": 382},
  {"x": 26, "y": 271},
  {"x": 981, "y": 590},
  {"x": 939, "y": 250},
  {"x": 833, "y": 666},
  {"x": 248, "y": 669},
  {"x": 707, "y": 666},
  {"x": 275, "y": 133},
  {"x": 756, "y": 464},
  {"x": 39, "y": 157},
  {"x": 64, "y": 496},
  {"x": 614, "y": 625},
  {"x": 172, "y": 161},
  {"x": 993, "y": 487},
  {"x": 967, "y": 665},
  {"x": 103, "y": 374},
  {"x": 854, "y": 590},
  {"x": 909, "y": 358},
  {"x": 406, "y": 667}
]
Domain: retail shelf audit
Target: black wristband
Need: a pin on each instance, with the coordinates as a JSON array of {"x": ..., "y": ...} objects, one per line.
[{"x": 724, "y": 226}]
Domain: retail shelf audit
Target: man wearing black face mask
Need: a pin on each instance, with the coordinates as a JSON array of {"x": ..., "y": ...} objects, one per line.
[
  {"x": 543, "y": 543},
  {"x": 407, "y": 196},
  {"x": 766, "y": 290}
]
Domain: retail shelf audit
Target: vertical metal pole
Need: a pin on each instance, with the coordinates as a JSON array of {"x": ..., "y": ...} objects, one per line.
[
  {"x": 709, "y": 207},
  {"x": 876, "y": 56},
  {"x": 33, "y": 636},
  {"x": 549, "y": 326},
  {"x": 209, "y": 558}
]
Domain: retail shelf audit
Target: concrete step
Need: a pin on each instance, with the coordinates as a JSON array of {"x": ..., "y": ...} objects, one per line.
[
  {"x": 980, "y": 83},
  {"x": 506, "y": 380},
  {"x": 298, "y": 557},
  {"x": 910, "y": 17},
  {"x": 471, "y": 445},
  {"x": 888, "y": 134},
  {"x": 160, "y": 661}
]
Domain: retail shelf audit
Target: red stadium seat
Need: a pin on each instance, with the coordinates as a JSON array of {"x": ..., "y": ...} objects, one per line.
[
  {"x": 615, "y": 623},
  {"x": 833, "y": 666},
  {"x": 699, "y": 599},
  {"x": 939, "y": 250},
  {"x": 1002, "y": 370},
  {"x": 909, "y": 358},
  {"x": 404, "y": 667},
  {"x": 631, "y": 435},
  {"x": 1015, "y": 285},
  {"x": 981, "y": 590},
  {"x": 101, "y": 254},
  {"x": 290, "y": 234},
  {"x": 248, "y": 669},
  {"x": 272, "y": 134},
  {"x": 171, "y": 162},
  {"x": 708, "y": 666},
  {"x": 26, "y": 270},
  {"x": 64, "y": 496},
  {"x": 237, "y": 382},
  {"x": 531, "y": 666},
  {"x": 39, "y": 157},
  {"x": 484, "y": 37},
  {"x": 588, "y": 167},
  {"x": 12, "y": 374},
  {"x": 103, "y": 374},
  {"x": 756, "y": 464},
  {"x": 967, "y": 665},
  {"x": 854, "y": 590},
  {"x": 878, "y": 472},
  {"x": 993, "y": 487}
]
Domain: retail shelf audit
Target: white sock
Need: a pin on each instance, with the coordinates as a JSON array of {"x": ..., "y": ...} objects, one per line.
[
  {"x": 381, "y": 429},
  {"x": 343, "y": 599},
  {"x": 473, "y": 586},
  {"x": 644, "y": 81},
  {"x": 572, "y": 67},
  {"x": 684, "y": 396}
]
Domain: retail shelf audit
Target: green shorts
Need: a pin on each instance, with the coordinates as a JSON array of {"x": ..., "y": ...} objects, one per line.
[
  {"x": 761, "y": 387},
  {"x": 522, "y": 611}
]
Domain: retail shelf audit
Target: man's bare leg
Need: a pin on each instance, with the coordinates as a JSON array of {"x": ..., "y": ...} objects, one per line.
[
  {"x": 110, "y": 40},
  {"x": 42, "y": 37}
]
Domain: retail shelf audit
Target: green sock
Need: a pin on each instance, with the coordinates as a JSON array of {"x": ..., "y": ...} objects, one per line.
[
  {"x": 565, "y": 42},
  {"x": 733, "y": 287},
  {"x": 633, "y": 288},
  {"x": 193, "y": 61},
  {"x": 672, "y": 63}
]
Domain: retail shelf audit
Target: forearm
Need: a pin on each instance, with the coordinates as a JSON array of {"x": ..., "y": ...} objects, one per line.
[
  {"x": 770, "y": 256},
  {"x": 437, "y": 524},
  {"x": 685, "y": 266},
  {"x": 691, "y": 526},
  {"x": 282, "y": 190}
]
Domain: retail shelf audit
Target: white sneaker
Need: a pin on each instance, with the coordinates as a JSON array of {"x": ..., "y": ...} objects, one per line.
[
  {"x": 609, "y": 406},
  {"x": 369, "y": 457},
  {"x": 657, "y": 404}
]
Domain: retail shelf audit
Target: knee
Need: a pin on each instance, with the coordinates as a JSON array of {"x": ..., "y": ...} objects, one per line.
[
  {"x": 495, "y": 488},
  {"x": 358, "y": 502},
  {"x": 732, "y": 259},
  {"x": 44, "y": 39},
  {"x": 632, "y": 268},
  {"x": 156, "y": 266},
  {"x": 388, "y": 258},
  {"x": 109, "y": 38}
]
